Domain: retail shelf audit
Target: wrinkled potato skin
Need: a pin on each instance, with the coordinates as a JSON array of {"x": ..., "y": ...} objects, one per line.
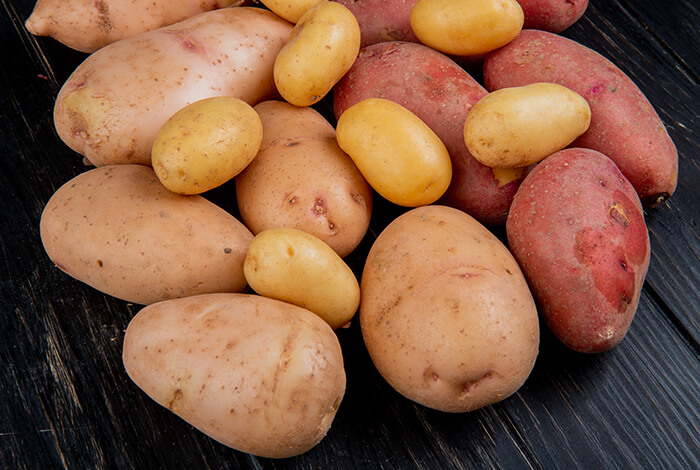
[
  {"x": 624, "y": 125},
  {"x": 446, "y": 314},
  {"x": 87, "y": 25},
  {"x": 519, "y": 126},
  {"x": 120, "y": 231},
  {"x": 302, "y": 179},
  {"x": 577, "y": 229},
  {"x": 441, "y": 94},
  {"x": 296, "y": 267},
  {"x": 396, "y": 152},
  {"x": 206, "y": 144},
  {"x": 552, "y": 15},
  {"x": 256, "y": 374},
  {"x": 322, "y": 47},
  {"x": 466, "y": 27},
  {"x": 382, "y": 20},
  {"x": 113, "y": 105}
]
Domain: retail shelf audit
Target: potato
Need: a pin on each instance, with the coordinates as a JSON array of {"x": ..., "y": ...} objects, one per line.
[
  {"x": 119, "y": 230},
  {"x": 206, "y": 144},
  {"x": 290, "y": 10},
  {"x": 624, "y": 125},
  {"x": 113, "y": 105},
  {"x": 446, "y": 313},
  {"x": 466, "y": 27},
  {"x": 519, "y": 126},
  {"x": 322, "y": 47},
  {"x": 301, "y": 179},
  {"x": 396, "y": 152},
  {"x": 256, "y": 374},
  {"x": 441, "y": 94},
  {"x": 382, "y": 20},
  {"x": 577, "y": 229},
  {"x": 552, "y": 15},
  {"x": 296, "y": 267},
  {"x": 87, "y": 25}
]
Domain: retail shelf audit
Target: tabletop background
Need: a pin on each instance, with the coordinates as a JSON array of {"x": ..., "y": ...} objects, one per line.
[{"x": 66, "y": 402}]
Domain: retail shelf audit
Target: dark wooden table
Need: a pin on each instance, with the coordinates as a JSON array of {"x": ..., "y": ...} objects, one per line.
[{"x": 66, "y": 401}]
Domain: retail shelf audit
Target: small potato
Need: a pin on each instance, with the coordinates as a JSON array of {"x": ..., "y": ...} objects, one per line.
[
  {"x": 466, "y": 27},
  {"x": 206, "y": 144},
  {"x": 256, "y": 374},
  {"x": 290, "y": 10},
  {"x": 296, "y": 267},
  {"x": 382, "y": 20},
  {"x": 519, "y": 126},
  {"x": 322, "y": 47},
  {"x": 396, "y": 152}
]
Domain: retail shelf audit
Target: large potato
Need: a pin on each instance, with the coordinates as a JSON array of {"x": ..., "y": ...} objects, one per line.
[
  {"x": 441, "y": 94},
  {"x": 382, "y": 20},
  {"x": 577, "y": 228},
  {"x": 446, "y": 313},
  {"x": 256, "y": 374},
  {"x": 113, "y": 105},
  {"x": 552, "y": 15},
  {"x": 302, "y": 179},
  {"x": 119, "y": 230},
  {"x": 624, "y": 125}
]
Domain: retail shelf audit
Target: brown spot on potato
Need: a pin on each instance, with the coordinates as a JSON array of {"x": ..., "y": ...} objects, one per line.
[
  {"x": 177, "y": 396},
  {"x": 618, "y": 214}
]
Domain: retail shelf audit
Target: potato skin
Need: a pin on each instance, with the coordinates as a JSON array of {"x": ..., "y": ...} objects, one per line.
[
  {"x": 624, "y": 125},
  {"x": 302, "y": 179},
  {"x": 552, "y": 15},
  {"x": 256, "y": 374},
  {"x": 577, "y": 229},
  {"x": 446, "y": 314},
  {"x": 382, "y": 20},
  {"x": 441, "y": 94},
  {"x": 119, "y": 230},
  {"x": 113, "y": 105}
]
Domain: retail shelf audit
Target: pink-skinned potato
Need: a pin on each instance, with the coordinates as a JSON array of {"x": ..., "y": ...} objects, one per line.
[
  {"x": 113, "y": 105},
  {"x": 624, "y": 124},
  {"x": 552, "y": 15},
  {"x": 382, "y": 20},
  {"x": 576, "y": 227},
  {"x": 441, "y": 93}
]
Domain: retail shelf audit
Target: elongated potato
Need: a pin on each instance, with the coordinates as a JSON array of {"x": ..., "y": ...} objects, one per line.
[
  {"x": 577, "y": 229},
  {"x": 301, "y": 179},
  {"x": 120, "y": 231},
  {"x": 290, "y": 10},
  {"x": 624, "y": 125},
  {"x": 441, "y": 94},
  {"x": 113, "y": 105},
  {"x": 87, "y": 25},
  {"x": 256, "y": 374}
]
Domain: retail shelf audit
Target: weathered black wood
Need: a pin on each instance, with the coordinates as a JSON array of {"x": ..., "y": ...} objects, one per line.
[{"x": 67, "y": 403}]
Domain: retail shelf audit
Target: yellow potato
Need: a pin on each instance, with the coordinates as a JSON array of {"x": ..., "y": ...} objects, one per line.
[
  {"x": 206, "y": 144},
  {"x": 296, "y": 267},
  {"x": 516, "y": 127},
  {"x": 396, "y": 152},
  {"x": 290, "y": 10},
  {"x": 323, "y": 46},
  {"x": 256, "y": 374},
  {"x": 466, "y": 27}
]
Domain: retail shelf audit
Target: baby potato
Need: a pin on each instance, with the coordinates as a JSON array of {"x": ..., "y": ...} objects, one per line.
[
  {"x": 290, "y": 10},
  {"x": 322, "y": 47},
  {"x": 396, "y": 152},
  {"x": 516, "y": 127},
  {"x": 296, "y": 267},
  {"x": 466, "y": 27},
  {"x": 206, "y": 144}
]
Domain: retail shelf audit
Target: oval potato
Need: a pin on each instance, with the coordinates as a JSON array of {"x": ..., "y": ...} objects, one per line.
[
  {"x": 119, "y": 230},
  {"x": 290, "y": 10},
  {"x": 256, "y": 374},
  {"x": 296, "y": 267}
]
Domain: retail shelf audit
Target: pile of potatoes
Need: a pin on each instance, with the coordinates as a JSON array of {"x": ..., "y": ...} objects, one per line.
[{"x": 236, "y": 335}]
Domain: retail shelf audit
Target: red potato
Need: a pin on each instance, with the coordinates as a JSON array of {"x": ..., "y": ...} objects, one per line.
[
  {"x": 87, "y": 25},
  {"x": 577, "y": 229},
  {"x": 113, "y": 105},
  {"x": 440, "y": 93},
  {"x": 552, "y": 15},
  {"x": 624, "y": 125},
  {"x": 382, "y": 20}
]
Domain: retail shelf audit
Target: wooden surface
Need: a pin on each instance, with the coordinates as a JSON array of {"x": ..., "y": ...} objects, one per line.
[{"x": 67, "y": 402}]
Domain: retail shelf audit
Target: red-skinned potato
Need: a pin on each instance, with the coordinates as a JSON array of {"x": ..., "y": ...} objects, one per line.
[
  {"x": 577, "y": 229},
  {"x": 624, "y": 125},
  {"x": 113, "y": 105},
  {"x": 552, "y": 15},
  {"x": 382, "y": 20},
  {"x": 440, "y": 93}
]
